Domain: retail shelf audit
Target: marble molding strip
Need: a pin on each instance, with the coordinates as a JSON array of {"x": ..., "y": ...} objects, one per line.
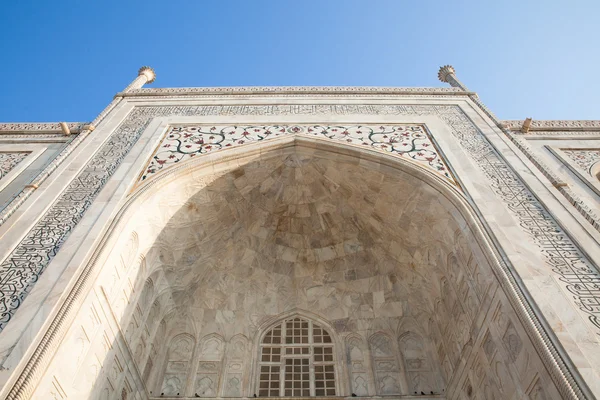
[
  {"x": 54, "y": 227},
  {"x": 304, "y": 90},
  {"x": 28, "y": 138},
  {"x": 553, "y": 125},
  {"x": 39, "y": 127}
]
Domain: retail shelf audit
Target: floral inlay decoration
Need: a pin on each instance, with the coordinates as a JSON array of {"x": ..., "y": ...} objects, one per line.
[
  {"x": 584, "y": 158},
  {"x": 408, "y": 141}
]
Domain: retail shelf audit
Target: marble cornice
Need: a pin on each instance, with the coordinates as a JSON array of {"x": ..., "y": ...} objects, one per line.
[
  {"x": 39, "y": 127},
  {"x": 295, "y": 90},
  {"x": 555, "y": 125}
]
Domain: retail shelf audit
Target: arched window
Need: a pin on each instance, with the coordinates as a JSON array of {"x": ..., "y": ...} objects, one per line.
[{"x": 296, "y": 359}]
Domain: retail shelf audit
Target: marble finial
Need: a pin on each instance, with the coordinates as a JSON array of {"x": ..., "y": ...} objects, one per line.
[
  {"x": 148, "y": 72},
  {"x": 65, "y": 128},
  {"x": 445, "y": 71},
  {"x": 526, "y": 125}
]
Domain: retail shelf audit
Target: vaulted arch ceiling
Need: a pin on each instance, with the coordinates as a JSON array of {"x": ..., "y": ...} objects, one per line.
[
  {"x": 371, "y": 244},
  {"x": 319, "y": 232}
]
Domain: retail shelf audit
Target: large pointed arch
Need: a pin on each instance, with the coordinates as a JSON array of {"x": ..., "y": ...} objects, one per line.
[{"x": 195, "y": 175}]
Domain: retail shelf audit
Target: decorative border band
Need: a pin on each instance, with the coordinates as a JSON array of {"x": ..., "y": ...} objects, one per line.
[
  {"x": 41, "y": 127},
  {"x": 552, "y": 125},
  {"x": 309, "y": 90}
]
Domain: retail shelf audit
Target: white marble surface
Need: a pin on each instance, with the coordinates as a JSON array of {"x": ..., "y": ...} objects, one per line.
[
  {"x": 571, "y": 329},
  {"x": 314, "y": 230}
]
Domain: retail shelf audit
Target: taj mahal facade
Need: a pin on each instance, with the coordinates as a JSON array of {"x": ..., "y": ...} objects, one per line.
[{"x": 299, "y": 242}]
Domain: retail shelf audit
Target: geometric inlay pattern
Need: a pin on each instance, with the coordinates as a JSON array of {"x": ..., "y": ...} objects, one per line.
[
  {"x": 584, "y": 158},
  {"x": 407, "y": 141},
  {"x": 10, "y": 160},
  {"x": 22, "y": 268}
]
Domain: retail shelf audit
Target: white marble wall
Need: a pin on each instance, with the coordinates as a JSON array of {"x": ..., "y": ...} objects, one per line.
[
  {"x": 204, "y": 259},
  {"x": 209, "y": 255}
]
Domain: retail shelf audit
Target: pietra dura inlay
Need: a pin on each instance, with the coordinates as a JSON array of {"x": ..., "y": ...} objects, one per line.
[{"x": 409, "y": 141}]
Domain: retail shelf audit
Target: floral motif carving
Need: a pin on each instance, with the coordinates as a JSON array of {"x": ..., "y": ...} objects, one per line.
[
  {"x": 409, "y": 141},
  {"x": 10, "y": 160},
  {"x": 584, "y": 158}
]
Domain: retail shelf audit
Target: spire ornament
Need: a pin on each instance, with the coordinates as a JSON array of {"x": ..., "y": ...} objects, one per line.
[
  {"x": 148, "y": 72},
  {"x": 446, "y": 71},
  {"x": 145, "y": 75},
  {"x": 447, "y": 74}
]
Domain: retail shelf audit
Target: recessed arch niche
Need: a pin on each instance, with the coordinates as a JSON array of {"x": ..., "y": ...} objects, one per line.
[{"x": 387, "y": 255}]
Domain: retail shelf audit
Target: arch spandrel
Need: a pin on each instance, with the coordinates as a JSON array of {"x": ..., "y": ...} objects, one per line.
[
  {"x": 360, "y": 253},
  {"x": 409, "y": 141}
]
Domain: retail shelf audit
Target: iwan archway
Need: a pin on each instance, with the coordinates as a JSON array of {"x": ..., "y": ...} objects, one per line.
[{"x": 299, "y": 268}]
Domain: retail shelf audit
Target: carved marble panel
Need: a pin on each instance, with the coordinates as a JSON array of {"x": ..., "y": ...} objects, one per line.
[
  {"x": 513, "y": 342},
  {"x": 385, "y": 365},
  {"x": 210, "y": 365},
  {"x": 419, "y": 372},
  {"x": 10, "y": 160},
  {"x": 236, "y": 367},
  {"x": 584, "y": 158},
  {"x": 233, "y": 385},
  {"x": 537, "y": 391},
  {"x": 206, "y": 384},
  {"x": 357, "y": 363},
  {"x": 177, "y": 365}
]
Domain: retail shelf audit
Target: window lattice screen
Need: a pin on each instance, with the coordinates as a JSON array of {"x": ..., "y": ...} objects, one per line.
[{"x": 296, "y": 360}]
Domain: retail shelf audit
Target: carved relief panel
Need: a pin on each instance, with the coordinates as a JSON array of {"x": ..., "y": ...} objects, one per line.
[
  {"x": 150, "y": 371},
  {"x": 357, "y": 361},
  {"x": 417, "y": 363},
  {"x": 209, "y": 366},
  {"x": 385, "y": 365},
  {"x": 235, "y": 367},
  {"x": 177, "y": 365}
]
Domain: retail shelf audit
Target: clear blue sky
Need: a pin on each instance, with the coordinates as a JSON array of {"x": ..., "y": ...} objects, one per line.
[{"x": 65, "y": 60}]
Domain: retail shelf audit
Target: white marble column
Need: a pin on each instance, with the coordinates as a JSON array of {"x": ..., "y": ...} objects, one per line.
[
  {"x": 145, "y": 75},
  {"x": 447, "y": 74}
]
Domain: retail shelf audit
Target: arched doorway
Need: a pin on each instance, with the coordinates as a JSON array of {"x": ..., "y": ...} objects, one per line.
[{"x": 388, "y": 257}]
